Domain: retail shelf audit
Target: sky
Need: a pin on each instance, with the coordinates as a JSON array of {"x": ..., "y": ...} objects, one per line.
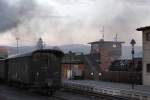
[{"x": 61, "y": 22}]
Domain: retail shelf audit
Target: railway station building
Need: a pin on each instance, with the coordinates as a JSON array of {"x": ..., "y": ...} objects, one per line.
[
  {"x": 72, "y": 66},
  {"x": 79, "y": 66},
  {"x": 94, "y": 64},
  {"x": 146, "y": 54},
  {"x": 108, "y": 52}
]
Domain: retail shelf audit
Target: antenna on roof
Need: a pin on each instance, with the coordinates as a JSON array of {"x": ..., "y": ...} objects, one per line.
[
  {"x": 116, "y": 37},
  {"x": 103, "y": 31}
]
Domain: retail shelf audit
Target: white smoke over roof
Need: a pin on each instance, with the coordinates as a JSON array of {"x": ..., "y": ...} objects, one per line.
[{"x": 72, "y": 21}]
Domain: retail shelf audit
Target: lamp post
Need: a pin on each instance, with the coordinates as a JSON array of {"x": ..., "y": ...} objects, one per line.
[
  {"x": 132, "y": 52},
  {"x": 100, "y": 76},
  {"x": 92, "y": 74},
  {"x": 120, "y": 69}
]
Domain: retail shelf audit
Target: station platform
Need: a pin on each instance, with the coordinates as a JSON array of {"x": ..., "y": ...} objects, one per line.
[{"x": 140, "y": 92}]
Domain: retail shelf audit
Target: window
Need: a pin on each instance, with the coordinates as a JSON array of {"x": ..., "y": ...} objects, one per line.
[
  {"x": 148, "y": 67},
  {"x": 148, "y": 36},
  {"x": 114, "y": 45},
  {"x": 76, "y": 67}
]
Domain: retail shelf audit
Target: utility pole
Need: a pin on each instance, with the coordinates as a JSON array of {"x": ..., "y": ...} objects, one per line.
[{"x": 17, "y": 39}]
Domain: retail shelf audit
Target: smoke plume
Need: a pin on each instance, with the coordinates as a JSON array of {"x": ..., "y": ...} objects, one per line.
[
  {"x": 73, "y": 21},
  {"x": 13, "y": 15}
]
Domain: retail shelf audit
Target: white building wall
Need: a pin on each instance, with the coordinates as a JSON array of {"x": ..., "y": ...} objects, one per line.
[{"x": 146, "y": 59}]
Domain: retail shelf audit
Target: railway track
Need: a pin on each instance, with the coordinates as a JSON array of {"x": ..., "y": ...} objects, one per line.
[
  {"x": 59, "y": 98},
  {"x": 11, "y": 93},
  {"x": 95, "y": 96}
]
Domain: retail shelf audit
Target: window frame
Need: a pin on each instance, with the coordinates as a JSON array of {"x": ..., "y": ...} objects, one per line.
[
  {"x": 147, "y": 36},
  {"x": 148, "y": 67}
]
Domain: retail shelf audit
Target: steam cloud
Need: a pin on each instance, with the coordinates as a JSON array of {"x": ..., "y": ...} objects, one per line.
[
  {"x": 7, "y": 17},
  {"x": 73, "y": 21},
  {"x": 11, "y": 15}
]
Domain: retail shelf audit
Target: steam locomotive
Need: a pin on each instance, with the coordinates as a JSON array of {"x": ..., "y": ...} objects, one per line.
[{"x": 39, "y": 70}]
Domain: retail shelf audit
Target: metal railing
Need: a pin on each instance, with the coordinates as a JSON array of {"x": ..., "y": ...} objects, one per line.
[{"x": 138, "y": 95}]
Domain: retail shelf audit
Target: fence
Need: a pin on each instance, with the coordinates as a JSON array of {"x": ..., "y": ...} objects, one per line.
[{"x": 122, "y": 77}]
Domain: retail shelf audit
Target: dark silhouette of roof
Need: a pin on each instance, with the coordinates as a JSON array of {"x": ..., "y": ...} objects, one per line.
[
  {"x": 57, "y": 52},
  {"x": 143, "y": 28},
  {"x": 105, "y": 42}
]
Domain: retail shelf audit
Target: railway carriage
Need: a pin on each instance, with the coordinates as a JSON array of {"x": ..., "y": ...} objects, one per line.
[
  {"x": 40, "y": 69},
  {"x": 3, "y": 70}
]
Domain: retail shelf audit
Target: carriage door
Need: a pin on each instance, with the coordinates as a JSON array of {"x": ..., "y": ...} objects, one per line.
[
  {"x": 40, "y": 67},
  {"x": 54, "y": 68}
]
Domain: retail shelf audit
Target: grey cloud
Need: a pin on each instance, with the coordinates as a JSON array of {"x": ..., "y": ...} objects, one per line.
[
  {"x": 7, "y": 16},
  {"x": 11, "y": 15},
  {"x": 122, "y": 16},
  {"x": 135, "y": 2}
]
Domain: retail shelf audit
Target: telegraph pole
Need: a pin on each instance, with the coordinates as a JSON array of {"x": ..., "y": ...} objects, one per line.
[{"x": 17, "y": 39}]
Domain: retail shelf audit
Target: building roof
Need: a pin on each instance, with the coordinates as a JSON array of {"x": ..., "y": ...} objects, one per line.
[
  {"x": 105, "y": 42},
  {"x": 143, "y": 28}
]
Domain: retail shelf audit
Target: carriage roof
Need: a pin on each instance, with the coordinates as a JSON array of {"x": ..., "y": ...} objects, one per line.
[{"x": 57, "y": 52}]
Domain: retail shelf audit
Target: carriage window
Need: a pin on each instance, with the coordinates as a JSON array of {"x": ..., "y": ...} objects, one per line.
[
  {"x": 44, "y": 57},
  {"x": 148, "y": 68},
  {"x": 148, "y": 36},
  {"x": 40, "y": 56},
  {"x": 52, "y": 56},
  {"x": 114, "y": 46}
]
